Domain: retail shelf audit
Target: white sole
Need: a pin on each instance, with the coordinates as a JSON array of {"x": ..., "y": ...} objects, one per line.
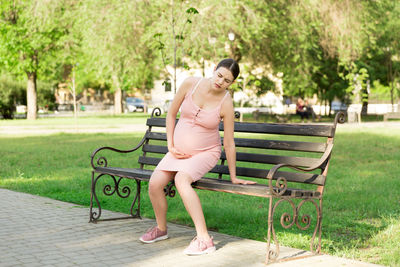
[
  {"x": 207, "y": 251},
  {"x": 154, "y": 240}
]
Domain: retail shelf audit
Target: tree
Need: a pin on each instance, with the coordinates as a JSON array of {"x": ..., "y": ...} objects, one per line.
[
  {"x": 31, "y": 32},
  {"x": 386, "y": 15},
  {"x": 114, "y": 45},
  {"x": 170, "y": 33}
]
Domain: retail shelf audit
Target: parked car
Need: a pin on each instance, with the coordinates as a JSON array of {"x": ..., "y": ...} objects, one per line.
[{"x": 134, "y": 104}]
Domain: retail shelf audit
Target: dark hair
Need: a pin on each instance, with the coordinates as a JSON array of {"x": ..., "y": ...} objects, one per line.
[{"x": 231, "y": 65}]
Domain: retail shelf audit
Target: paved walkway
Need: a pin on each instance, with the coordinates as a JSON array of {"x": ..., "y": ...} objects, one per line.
[{"x": 38, "y": 231}]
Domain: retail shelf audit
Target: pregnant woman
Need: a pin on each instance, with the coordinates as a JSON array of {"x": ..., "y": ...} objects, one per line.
[{"x": 194, "y": 147}]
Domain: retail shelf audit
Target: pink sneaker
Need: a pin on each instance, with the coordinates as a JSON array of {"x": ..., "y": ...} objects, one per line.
[
  {"x": 153, "y": 234},
  {"x": 199, "y": 247}
]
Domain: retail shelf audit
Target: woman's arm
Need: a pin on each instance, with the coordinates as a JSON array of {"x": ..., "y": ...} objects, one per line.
[
  {"x": 227, "y": 113},
  {"x": 171, "y": 116}
]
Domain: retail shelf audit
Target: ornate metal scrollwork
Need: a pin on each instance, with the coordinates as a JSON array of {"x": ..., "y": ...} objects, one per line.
[
  {"x": 306, "y": 218},
  {"x": 156, "y": 112},
  {"x": 273, "y": 254},
  {"x": 109, "y": 190},
  {"x": 169, "y": 190},
  {"x": 280, "y": 186},
  {"x": 287, "y": 220},
  {"x": 102, "y": 162},
  {"x": 340, "y": 117}
]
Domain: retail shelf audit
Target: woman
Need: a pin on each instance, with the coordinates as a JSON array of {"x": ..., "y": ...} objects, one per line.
[{"x": 194, "y": 147}]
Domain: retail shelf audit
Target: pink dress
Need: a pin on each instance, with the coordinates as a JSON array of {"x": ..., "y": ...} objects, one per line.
[{"x": 196, "y": 134}]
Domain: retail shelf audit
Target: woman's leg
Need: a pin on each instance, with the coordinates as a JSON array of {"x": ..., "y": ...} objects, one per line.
[
  {"x": 192, "y": 203},
  {"x": 158, "y": 180}
]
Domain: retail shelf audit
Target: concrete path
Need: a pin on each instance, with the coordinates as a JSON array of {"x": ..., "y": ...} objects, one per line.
[{"x": 38, "y": 231}]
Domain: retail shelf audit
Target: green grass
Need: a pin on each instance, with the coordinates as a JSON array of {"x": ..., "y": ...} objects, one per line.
[{"x": 361, "y": 203}]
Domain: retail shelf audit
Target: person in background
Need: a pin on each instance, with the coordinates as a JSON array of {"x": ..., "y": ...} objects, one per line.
[
  {"x": 310, "y": 110},
  {"x": 301, "y": 109}
]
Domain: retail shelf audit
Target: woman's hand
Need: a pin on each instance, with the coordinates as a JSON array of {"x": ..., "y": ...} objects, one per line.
[
  {"x": 178, "y": 154},
  {"x": 241, "y": 181}
]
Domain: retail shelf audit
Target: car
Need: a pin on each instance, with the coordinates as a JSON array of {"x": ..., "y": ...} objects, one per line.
[{"x": 134, "y": 104}]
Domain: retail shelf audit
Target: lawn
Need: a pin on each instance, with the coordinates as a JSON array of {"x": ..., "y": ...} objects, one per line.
[{"x": 361, "y": 202}]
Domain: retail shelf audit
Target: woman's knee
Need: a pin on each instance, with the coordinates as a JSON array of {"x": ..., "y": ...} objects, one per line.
[
  {"x": 183, "y": 180},
  {"x": 158, "y": 181}
]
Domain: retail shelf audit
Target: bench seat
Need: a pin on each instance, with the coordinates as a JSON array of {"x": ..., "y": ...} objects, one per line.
[{"x": 260, "y": 190}]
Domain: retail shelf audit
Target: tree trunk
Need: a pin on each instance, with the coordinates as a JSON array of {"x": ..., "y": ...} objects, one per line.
[
  {"x": 31, "y": 96},
  {"x": 117, "y": 95}
]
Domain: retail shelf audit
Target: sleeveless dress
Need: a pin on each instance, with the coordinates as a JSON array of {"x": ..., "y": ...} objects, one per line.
[{"x": 196, "y": 134}]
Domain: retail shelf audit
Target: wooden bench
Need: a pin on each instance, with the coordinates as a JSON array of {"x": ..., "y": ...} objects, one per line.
[
  {"x": 287, "y": 168},
  {"x": 391, "y": 115}
]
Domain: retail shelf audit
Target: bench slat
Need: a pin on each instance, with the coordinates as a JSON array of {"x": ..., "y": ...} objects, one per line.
[
  {"x": 259, "y": 190},
  {"x": 285, "y": 129},
  {"x": 264, "y": 144},
  {"x": 249, "y": 157},
  {"x": 156, "y": 136},
  {"x": 140, "y": 174},
  {"x": 299, "y": 177},
  {"x": 269, "y": 128},
  {"x": 274, "y": 159},
  {"x": 281, "y": 145}
]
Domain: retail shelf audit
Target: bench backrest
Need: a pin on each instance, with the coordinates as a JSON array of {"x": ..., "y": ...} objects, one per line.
[{"x": 259, "y": 146}]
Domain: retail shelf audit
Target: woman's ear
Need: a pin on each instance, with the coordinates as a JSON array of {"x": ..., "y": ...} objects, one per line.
[{"x": 215, "y": 68}]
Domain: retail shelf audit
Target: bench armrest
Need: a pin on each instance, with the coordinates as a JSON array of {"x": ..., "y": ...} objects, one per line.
[
  {"x": 281, "y": 183},
  {"x": 102, "y": 161}
]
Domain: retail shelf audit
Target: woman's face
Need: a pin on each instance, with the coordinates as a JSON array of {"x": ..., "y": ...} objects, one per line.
[{"x": 222, "y": 79}]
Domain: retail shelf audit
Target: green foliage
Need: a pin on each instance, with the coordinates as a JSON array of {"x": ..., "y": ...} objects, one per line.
[
  {"x": 46, "y": 98},
  {"x": 12, "y": 92},
  {"x": 314, "y": 45},
  {"x": 169, "y": 39},
  {"x": 114, "y": 44},
  {"x": 30, "y": 32}
]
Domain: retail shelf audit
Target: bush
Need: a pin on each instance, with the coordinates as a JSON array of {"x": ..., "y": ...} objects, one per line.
[
  {"x": 12, "y": 92},
  {"x": 45, "y": 95}
]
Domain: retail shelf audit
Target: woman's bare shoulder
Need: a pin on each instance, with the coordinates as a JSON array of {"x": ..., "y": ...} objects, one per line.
[
  {"x": 227, "y": 105},
  {"x": 191, "y": 80},
  {"x": 189, "y": 83}
]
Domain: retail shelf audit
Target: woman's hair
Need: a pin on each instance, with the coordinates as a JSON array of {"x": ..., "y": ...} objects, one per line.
[{"x": 231, "y": 65}]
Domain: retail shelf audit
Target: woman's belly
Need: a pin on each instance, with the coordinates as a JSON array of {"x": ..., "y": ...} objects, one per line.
[{"x": 191, "y": 139}]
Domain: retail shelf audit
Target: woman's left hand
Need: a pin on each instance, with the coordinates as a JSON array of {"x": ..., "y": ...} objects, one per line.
[{"x": 241, "y": 181}]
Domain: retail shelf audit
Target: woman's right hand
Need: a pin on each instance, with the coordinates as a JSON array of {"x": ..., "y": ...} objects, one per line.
[{"x": 178, "y": 154}]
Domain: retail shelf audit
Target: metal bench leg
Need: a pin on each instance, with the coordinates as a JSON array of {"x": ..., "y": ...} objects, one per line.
[
  {"x": 287, "y": 221},
  {"x": 94, "y": 216},
  {"x": 109, "y": 190},
  {"x": 137, "y": 198},
  {"x": 272, "y": 254}
]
